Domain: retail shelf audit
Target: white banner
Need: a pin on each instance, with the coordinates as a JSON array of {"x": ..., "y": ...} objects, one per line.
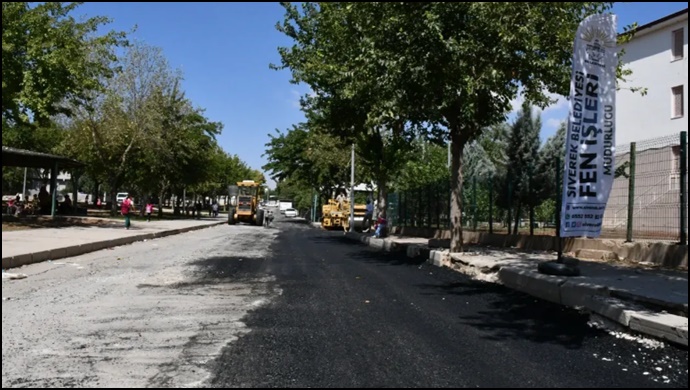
[{"x": 590, "y": 143}]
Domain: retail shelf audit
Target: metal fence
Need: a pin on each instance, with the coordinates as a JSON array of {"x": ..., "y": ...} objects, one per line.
[{"x": 648, "y": 199}]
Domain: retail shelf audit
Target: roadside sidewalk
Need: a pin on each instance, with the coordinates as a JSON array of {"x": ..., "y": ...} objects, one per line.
[
  {"x": 30, "y": 246},
  {"x": 652, "y": 302}
]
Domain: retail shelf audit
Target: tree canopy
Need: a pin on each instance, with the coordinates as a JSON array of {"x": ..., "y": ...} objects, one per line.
[
  {"x": 126, "y": 116},
  {"x": 447, "y": 70}
]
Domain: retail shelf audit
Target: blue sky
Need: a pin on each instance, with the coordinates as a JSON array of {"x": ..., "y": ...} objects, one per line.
[{"x": 224, "y": 50}]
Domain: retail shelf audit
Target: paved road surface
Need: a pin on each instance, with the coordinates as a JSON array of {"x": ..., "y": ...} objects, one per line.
[{"x": 241, "y": 306}]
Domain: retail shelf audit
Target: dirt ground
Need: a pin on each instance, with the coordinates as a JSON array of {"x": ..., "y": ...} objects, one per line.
[{"x": 47, "y": 222}]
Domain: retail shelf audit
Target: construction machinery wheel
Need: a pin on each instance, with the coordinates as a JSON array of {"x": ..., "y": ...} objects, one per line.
[
  {"x": 231, "y": 216},
  {"x": 259, "y": 217}
]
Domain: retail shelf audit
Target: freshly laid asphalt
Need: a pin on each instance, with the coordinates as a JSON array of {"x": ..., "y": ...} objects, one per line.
[{"x": 351, "y": 317}]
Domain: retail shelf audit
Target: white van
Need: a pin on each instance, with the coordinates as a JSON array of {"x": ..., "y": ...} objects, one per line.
[{"x": 120, "y": 197}]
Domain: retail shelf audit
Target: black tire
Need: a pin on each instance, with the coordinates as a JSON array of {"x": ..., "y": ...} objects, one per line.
[
  {"x": 558, "y": 269},
  {"x": 259, "y": 217},
  {"x": 231, "y": 216}
]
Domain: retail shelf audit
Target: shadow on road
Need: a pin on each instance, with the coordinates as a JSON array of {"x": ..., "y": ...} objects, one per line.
[
  {"x": 500, "y": 313},
  {"x": 297, "y": 221},
  {"x": 507, "y": 315},
  {"x": 518, "y": 315},
  {"x": 221, "y": 270}
]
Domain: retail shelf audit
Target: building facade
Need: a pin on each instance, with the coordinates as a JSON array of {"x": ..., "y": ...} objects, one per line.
[{"x": 657, "y": 56}]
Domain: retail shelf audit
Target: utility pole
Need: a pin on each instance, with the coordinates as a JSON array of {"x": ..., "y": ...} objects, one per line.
[
  {"x": 450, "y": 183},
  {"x": 24, "y": 189},
  {"x": 352, "y": 191},
  {"x": 449, "y": 152}
]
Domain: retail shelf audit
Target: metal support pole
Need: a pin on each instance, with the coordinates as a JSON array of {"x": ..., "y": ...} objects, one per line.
[
  {"x": 24, "y": 188},
  {"x": 474, "y": 203},
  {"x": 491, "y": 205},
  {"x": 559, "y": 205},
  {"x": 562, "y": 266},
  {"x": 352, "y": 191},
  {"x": 316, "y": 204},
  {"x": 631, "y": 193},
  {"x": 53, "y": 189},
  {"x": 684, "y": 188},
  {"x": 76, "y": 176},
  {"x": 531, "y": 200},
  {"x": 450, "y": 185},
  {"x": 510, "y": 201}
]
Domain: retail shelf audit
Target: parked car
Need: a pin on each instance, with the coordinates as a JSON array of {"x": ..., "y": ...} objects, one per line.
[
  {"x": 291, "y": 213},
  {"x": 120, "y": 197}
]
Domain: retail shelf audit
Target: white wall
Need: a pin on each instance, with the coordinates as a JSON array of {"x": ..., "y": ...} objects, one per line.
[{"x": 649, "y": 56}]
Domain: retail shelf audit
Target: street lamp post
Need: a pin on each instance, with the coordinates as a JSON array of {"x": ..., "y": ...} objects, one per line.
[{"x": 352, "y": 191}]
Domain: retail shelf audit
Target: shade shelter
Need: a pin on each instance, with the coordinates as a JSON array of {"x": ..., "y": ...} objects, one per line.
[{"x": 12, "y": 157}]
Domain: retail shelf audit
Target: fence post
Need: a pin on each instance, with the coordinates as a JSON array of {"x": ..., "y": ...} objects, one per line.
[
  {"x": 429, "y": 209},
  {"x": 510, "y": 205},
  {"x": 531, "y": 200},
  {"x": 420, "y": 207},
  {"x": 631, "y": 193},
  {"x": 437, "y": 200},
  {"x": 683, "y": 187},
  {"x": 491, "y": 204},
  {"x": 474, "y": 203},
  {"x": 559, "y": 206}
]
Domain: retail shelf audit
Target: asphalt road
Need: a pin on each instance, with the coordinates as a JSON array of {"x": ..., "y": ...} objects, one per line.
[{"x": 292, "y": 306}]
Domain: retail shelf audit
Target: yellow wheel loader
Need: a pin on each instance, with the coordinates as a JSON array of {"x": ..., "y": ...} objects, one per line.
[{"x": 245, "y": 198}]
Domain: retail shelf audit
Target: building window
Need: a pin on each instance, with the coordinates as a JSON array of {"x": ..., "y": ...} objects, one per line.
[
  {"x": 677, "y": 48},
  {"x": 677, "y": 102}
]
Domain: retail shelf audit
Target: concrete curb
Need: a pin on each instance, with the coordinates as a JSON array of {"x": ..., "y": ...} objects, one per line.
[
  {"x": 76, "y": 250},
  {"x": 666, "y": 254},
  {"x": 383, "y": 244},
  {"x": 596, "y": 299},
  {"x": 571, "y": 292}
]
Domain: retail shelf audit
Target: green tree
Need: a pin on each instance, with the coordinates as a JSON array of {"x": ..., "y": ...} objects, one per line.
[
  {"x": 431, "y": 167},
  {"x": 331, "y": 57},
  {"x": 546, "y": 211},
  {"x": 309, "y": 158},
  {"x": 523, "y": 157},
  {"x": 300, "y": 195},
  {"x": 454, "y": 67},
  {"x": 50, "y": 62},
  {"x": 112, "y": 130},
  {"x": 552, "y": 152},
  {"x": 182, "y": 147}
]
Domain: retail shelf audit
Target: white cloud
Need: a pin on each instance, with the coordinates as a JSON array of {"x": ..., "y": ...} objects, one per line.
[
  {"x": 551, "y": 116},
  {"x": 552, "y": 124},
  {"x": 516, "y": 103},
  {"x": 296, "y": 95},
  {"x": 561, "y": 103},
  {"x": 295, "y": 99}
]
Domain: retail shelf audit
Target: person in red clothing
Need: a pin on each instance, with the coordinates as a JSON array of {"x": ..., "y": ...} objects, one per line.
[
  {"x": 127, "y": 209},
  {"x": 380, "y": 227}
]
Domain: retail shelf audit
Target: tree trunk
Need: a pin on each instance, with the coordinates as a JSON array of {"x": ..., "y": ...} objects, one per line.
[
  {"x": 161, "y": 196},
  {"x": 113, "y": 201},
  {"x": 96, "y": 194},
  {"x": 177, "y": 208},
  {"x": 457, "y": 146},
  {"x": 508, "y": 222},
  {"x": 382, "y": 198},
  {"x": 517, "y": 218}
]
